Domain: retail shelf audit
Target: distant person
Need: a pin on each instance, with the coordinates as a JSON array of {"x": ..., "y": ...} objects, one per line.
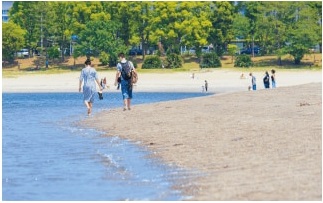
[
  {"x": 89, "y": 78},
  {"x": 206, "y": 85},
  {"x": 266, "y": 80},
  {"x": 253, "y": 81},
  {"x": 103, "y": 83},
  {"x": 273, "y": 78},
  {"x": 193, "y": 75},
  {"x": 242, "y": 76},
  {"x": 124, "y": 71},
  {"x": 47, "y": 63}
]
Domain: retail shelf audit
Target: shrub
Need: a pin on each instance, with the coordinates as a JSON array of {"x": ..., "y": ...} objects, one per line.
[
  {"x": 152, "y": 62},
  {"x": 173, "y": 61},
  {"x": 53, "y": 52},
  {"x": 243, "y": 61},
  {"x": 210, "y": 60},
  {"x": 104, "y": 58}
]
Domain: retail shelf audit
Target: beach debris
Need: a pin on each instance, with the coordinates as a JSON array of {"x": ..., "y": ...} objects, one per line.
[
  {"x": 177, "y": 144},
  {"x": 304, "y": 104},
  {"x": 151, "y": 143},
  {"x": 226, "y": 166},
  {"x": 237, "y": 139}
]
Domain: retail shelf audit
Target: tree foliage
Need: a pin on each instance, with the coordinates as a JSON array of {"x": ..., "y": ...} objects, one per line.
[
  {"x": 12, "y": 40},
  {"x": 222, "y": 26},
  {"x": 112, "y": 27},
  {"x": 101, "y": 36}
]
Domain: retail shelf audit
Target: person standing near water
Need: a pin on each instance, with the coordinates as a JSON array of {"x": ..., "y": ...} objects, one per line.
[
  {"x": 253, "y": 81},
  {"x": 266, "y": 80},
  {"x": 206, "y": 85},
  {"x": 123, "y": 67},
  {"x": 273, "y": 78},
  {"x": 89, "y": 77}
]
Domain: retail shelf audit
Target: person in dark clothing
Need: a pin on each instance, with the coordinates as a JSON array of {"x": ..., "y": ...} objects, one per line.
[
  {"x": 206, "y": 85},
  {"x": 266, "y": 80}
]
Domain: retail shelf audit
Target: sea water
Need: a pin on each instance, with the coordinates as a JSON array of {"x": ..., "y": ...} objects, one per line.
[{"x": 46, "y": 157}]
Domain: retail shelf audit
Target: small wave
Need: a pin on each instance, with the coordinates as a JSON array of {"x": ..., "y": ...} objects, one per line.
[{"x": 114, "y": 169}]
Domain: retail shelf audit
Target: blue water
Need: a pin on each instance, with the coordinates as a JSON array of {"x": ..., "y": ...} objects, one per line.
[{"x": 46, "y": 157}]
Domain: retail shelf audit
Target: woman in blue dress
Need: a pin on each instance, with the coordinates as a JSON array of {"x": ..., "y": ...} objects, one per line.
[{"x": 89, "y": 77}]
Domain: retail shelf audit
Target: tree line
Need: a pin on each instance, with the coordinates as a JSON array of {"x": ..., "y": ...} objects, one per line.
[{"x": 103, "y": 29}]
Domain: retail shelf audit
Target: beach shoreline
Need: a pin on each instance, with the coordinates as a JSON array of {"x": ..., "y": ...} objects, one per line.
[
  {"x": 250, "y": 150},
  {"x": 252, "y": 145}
]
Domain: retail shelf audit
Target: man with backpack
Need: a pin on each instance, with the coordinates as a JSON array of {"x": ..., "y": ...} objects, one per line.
[{"x": 125, "y": 71}]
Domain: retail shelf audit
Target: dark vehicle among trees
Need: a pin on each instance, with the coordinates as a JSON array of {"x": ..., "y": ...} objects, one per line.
[
  {"x": 249, "y": 50},
  {"x": 135, "y": 51}
]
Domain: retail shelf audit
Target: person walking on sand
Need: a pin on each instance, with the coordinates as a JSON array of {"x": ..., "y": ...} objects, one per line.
[
  {"x": 124, "y": 70},
  {"x": 273, "y": 78},
  {"x": 266, "y": 80},
  {"x": 89, "y": 77},
  {"x": 206, "y": 85},
  {"x": 253, "y": 81}
]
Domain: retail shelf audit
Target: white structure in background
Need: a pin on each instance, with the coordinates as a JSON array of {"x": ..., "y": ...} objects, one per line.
[{"x": 6, "y": 5}]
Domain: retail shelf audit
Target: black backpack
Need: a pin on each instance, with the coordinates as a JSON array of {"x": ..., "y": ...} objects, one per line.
[{"x": 126, "y": 71}]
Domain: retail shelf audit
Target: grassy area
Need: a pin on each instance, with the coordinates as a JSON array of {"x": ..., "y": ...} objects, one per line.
[{"x": 261, "y": 63}]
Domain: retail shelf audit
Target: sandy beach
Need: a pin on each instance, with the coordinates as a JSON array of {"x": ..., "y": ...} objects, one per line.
[
  {"x": 219, "y": 80},
  {"x": 248, "y": 145},
  {"x": 263, "y": 145}
]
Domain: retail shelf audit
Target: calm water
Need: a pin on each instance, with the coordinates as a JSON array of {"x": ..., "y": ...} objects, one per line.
[{"x": 45, "y": 157}]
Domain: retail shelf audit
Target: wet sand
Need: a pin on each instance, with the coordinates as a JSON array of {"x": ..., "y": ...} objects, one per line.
[{"x": 261, "y": 145}]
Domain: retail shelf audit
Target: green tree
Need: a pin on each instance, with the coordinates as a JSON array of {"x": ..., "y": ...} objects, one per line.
[
  {"x": 12, "y": 40},
  {"x": 101, "y": 36},
  {"x": 120, "y": 13},
  {"x": 252, "y": 10},
  {"x": 222, "y": 25},
  {"x": 24, "y": 14},
  {"x": 232, "y": 49},
  {"x": 180, "y": 23},
  {"x": 83, "y": 12},
  {"x": 61, "y": 27},
  {"x": 139, "y": 22},
  {"x": 304, "y": 31},
  {"x": 241, "y": 26},
  {"x": 317, "y": 17}
]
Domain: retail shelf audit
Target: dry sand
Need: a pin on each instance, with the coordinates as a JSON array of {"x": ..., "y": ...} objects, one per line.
[
  {"x": 249, "y": 145},
  {"x": 220, "y": 81}
]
